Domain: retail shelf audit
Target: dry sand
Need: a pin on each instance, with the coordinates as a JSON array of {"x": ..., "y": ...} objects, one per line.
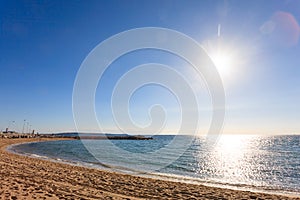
[{"x": 30, "y": 178}]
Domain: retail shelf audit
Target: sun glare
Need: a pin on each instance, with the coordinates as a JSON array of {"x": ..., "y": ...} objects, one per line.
[
  {"x": 224, "y": 62},
  {"x": 224, "y": 56}
]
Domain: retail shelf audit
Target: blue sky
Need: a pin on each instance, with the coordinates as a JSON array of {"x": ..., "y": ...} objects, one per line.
[{"x": 43, "y": 43}]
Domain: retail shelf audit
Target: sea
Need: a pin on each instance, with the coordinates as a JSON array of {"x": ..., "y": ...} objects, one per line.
[{"x": 268, "y": 164}]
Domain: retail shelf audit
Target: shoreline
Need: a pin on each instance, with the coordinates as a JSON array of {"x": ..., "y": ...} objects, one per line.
[{"x": 22, "y": 177}]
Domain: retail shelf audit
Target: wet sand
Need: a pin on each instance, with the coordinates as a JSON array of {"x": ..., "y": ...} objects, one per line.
[{"x": 23, "y": 177}]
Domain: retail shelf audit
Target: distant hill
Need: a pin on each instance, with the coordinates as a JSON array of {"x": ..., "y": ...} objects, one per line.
[
  {"x": 102, "y": 136},
  {"x": 75, "y": 134}
]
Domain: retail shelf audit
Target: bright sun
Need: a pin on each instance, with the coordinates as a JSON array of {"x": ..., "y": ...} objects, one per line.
[
  {"x": 224, "y": 62},
  {"x": 224, "y": 56}
]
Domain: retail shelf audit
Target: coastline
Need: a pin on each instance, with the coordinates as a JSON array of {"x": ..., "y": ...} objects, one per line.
[{"x": 27, "y": 177}]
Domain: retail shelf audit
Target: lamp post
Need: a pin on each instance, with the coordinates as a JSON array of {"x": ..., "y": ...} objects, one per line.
[
  {"x": 23, "y": 126},
  {"x": 27, "y": 127}
]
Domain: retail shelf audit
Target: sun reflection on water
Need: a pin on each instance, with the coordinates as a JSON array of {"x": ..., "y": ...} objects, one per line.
[
  {"x": 231, "y": 153},
  {"x": 231, "y": 159}
]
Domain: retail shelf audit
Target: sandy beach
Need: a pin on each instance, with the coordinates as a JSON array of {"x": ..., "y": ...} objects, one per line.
[{"x": 30, "y": 178}]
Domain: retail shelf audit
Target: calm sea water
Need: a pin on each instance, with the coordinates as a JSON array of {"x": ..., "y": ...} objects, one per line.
[{"x": 264, "y": 163}]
